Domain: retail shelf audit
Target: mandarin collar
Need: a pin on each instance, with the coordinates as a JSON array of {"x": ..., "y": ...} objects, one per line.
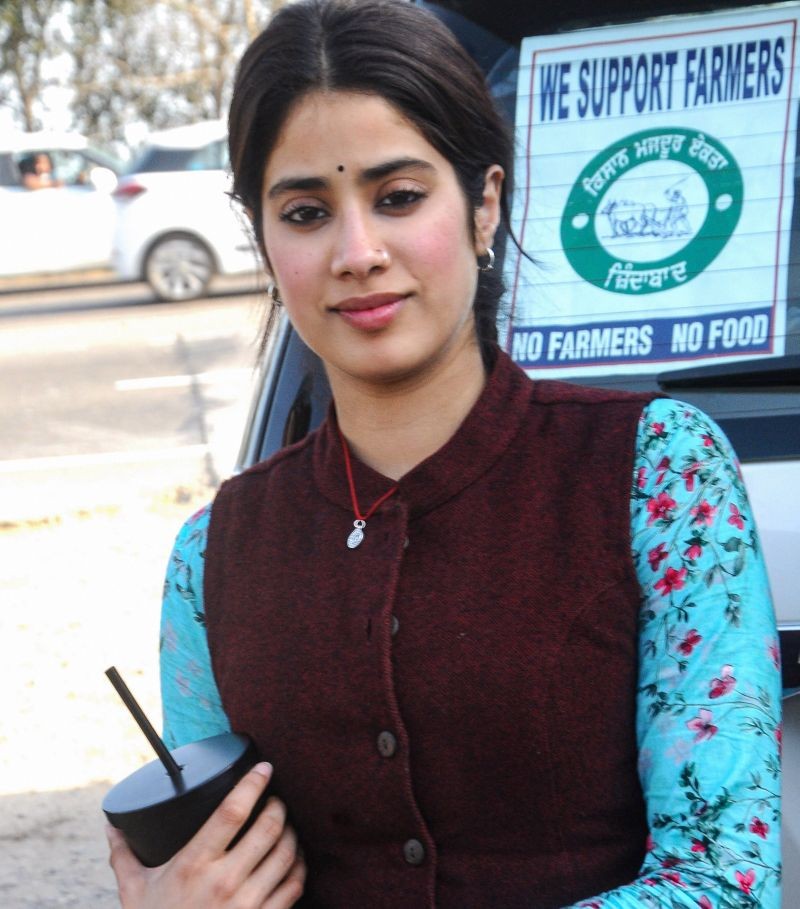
[{"x": 479, "y": 441}]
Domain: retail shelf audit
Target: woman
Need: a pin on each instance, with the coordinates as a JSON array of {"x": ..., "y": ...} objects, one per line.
[{"x": 506, "y": 643}]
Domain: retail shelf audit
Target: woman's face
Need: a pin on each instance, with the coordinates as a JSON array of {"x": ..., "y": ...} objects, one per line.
[{"x": 367, "y": 233}]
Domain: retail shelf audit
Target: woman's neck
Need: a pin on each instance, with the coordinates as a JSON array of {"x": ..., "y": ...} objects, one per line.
[{"x": 392, "y": 427}]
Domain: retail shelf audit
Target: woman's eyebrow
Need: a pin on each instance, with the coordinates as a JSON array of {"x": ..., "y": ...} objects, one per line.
[
  {"x": 368, "y": 175},
  {"x": 297, "y": 183},
  {"x": 379, "y": 171}
]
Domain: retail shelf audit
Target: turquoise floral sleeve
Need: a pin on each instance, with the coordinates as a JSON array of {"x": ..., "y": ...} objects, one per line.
[
  {"x": 190, "y": 701},
  {"x": 709, "y": 723}
]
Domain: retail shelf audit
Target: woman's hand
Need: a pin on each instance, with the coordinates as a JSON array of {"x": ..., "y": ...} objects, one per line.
[{"x": 262, "y": 871}]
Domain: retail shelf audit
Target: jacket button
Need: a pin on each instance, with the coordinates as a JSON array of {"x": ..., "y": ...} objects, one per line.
[
  {"x": 387, "y": 744},
  {"x": 405, "y": 543},
  {"x": 413, "y": 852},
  {"x": 395, "y": 625}
]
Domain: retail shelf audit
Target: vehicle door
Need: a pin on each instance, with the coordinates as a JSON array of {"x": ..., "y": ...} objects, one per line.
[{"x": 68, "y": 226}]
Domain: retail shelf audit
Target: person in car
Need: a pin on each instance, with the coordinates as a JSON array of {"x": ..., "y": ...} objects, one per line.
[
  {"x": 37, "y": 172},
  {"x": 506, "y": 643}
]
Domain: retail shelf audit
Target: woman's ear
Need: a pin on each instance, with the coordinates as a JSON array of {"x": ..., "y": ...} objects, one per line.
[{"x": 487, "y": 216}]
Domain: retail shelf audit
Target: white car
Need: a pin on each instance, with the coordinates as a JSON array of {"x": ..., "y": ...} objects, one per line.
[
  {"x": 66, "y": 226},
  {"x": 176, "y": 224}
]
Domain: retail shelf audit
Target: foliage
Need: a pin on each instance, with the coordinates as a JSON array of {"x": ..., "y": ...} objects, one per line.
[
  {"x": 25, "y": 41},
  {"x": 154, "y": 62}
]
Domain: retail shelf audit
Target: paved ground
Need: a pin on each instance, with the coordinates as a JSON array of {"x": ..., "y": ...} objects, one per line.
[
  {"x": 82, "y": 558},
  {"x": 78, "y": 594}
]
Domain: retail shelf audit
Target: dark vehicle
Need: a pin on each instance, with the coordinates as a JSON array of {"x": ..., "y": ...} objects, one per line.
[{"x": 676, "y": 300}]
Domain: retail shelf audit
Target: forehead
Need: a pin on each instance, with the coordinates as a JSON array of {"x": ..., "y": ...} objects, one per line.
[{"x": 324, "y": 131}]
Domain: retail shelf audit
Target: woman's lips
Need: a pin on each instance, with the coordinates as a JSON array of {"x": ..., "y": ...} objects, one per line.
[{"x": 370, "y": 313}]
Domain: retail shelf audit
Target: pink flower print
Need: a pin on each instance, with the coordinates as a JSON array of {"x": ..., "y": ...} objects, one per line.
[
  {"x": 650, "y": 843},
  {"x": 658, "y": 429},
  {"x": 674, "y": 878},
  {"x": 775, "y": 654},
  {"x": 688, "y": 474},
  {"x": 708, "y": 440},
  {"x": 736, "y": 518},
  {"x": 689, "y": 642},
  {"x": 169, "y": 640},
  {"x": 702, "y": 725},
  {"x": 641, "y": 477},
  {"x": 662, "y": 468},
  {"x": 746, "y": 881},
  {"x": 694, "y": 550},
  {"x": 704, "y": 513},
  {"x": 679, "y": 752},
  {"x": 779, "y": 739},
  {"x": 705, "y": 903},
  {"x": 657, "y": 555},
  {"x": 723, "y": 685},
  {"x": 660, "y": 508},
  {"x": 697, "y": 846},
  {"x": 673, "y": 580},
  {"x": 197, "y": 515},
  {"x": 758, "y": 827},
  {"x": 183, "y": 685},
  {"x": 670, "y": 862}
]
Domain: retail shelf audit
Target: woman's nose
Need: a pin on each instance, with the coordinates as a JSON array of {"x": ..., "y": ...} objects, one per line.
[{"x": 359, "y": 249}]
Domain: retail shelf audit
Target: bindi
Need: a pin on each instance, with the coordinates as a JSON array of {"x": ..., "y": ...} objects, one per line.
[{"x": 340, "y": 168}]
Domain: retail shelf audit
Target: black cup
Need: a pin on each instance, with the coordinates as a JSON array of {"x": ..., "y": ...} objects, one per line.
[{"x": 158, "y": 813}]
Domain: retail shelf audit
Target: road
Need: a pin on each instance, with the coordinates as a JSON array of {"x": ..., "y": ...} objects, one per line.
[
  {"x": 107, "y": 392},
  {"x": 118, "y": 416}
]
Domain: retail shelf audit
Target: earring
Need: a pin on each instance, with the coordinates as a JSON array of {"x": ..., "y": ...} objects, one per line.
[
  {"x": 272, "y": 293},
  {"x": 489, "y": 264}
]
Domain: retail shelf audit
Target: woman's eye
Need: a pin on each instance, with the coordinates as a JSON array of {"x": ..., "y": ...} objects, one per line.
[
  {"x": 303, "y": 214},
  {"x": 401, "y": 199}
]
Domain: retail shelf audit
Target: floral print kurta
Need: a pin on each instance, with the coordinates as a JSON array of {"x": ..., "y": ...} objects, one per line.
[{"x": 708, "y": 722}]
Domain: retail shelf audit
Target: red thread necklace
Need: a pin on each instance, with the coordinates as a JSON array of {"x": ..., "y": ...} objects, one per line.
[{"x": 357, "y": 533}]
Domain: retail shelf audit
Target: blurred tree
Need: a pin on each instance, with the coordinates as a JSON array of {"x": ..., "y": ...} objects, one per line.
[
  {"x": 26, "y": 39},
  {"x": 158, "y": 63},
  {"x": 161, "y": 62}
]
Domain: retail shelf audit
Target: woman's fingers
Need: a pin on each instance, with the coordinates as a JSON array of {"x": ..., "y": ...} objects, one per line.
[
  {"x": 262, "y": 836},
  {"x": 290, "y": 890},
  {"x": 126, "y": 867},
  {"x": 280, "y": 879},
  {"x": 213, "y": 838}
]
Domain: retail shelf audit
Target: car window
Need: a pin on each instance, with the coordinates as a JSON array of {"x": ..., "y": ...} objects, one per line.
[
  {"x": 72, "y": 167},
  {"x": 210, "y": 157},
  {"x": 9, "y": 173},
  {"x": 154, "y": 159}
]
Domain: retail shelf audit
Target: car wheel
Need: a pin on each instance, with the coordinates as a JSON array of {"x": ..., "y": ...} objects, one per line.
[{"x": 179, "y": 267}]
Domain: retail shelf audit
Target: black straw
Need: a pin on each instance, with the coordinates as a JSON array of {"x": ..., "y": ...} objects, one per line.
[{"x": 172, "y": 766}]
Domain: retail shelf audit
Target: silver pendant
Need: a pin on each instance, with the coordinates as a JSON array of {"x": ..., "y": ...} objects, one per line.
[{"x": 356, "y": 535}]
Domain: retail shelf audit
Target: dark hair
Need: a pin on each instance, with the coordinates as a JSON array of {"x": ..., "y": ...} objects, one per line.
[
  {"x": 27, "y": 165},
  {"x": 388, "y": 48}
]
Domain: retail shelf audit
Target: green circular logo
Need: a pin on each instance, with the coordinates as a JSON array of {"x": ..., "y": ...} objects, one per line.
[{"x": 652, "y": 211}]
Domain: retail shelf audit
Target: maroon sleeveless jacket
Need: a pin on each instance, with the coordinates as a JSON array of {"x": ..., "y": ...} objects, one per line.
[{"x": 450, "y": 707}]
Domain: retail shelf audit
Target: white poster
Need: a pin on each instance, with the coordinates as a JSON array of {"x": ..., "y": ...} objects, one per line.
[{"x": 654, "y": 192}]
